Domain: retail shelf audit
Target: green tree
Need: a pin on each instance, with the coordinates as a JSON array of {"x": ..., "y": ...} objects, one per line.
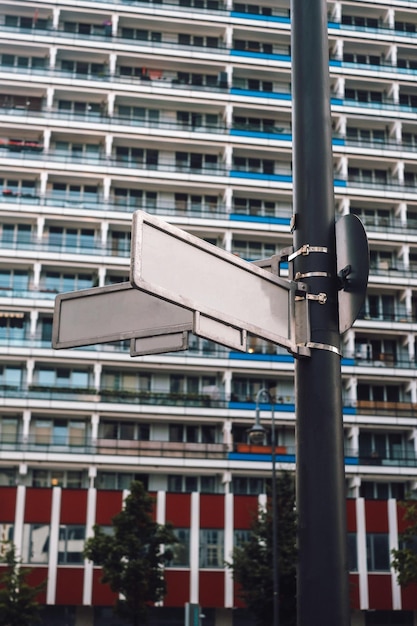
[
  {"x": 133, "y": 555},
  {"x": 253, "y": 560},
  {"x": 18, "y": 599},
  {"x": 404, "y": 559}
]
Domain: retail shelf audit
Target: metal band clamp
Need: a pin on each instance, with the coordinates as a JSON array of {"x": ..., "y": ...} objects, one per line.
[
  {"x": 306, "y": 249},
  {"x": 323, "y": 346}
]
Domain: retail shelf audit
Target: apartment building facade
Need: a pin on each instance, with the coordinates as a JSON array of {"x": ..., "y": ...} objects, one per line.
[{"x": 183, "y": 110}]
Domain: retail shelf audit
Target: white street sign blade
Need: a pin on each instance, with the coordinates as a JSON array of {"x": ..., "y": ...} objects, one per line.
[
  {"x": 158, "y": 344},
  {"x": 185, "y": 270},
  {"x": 113, "y": 313}
]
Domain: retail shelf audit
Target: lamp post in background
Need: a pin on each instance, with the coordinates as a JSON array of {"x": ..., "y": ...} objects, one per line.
[{"x": 257, "y": 436}]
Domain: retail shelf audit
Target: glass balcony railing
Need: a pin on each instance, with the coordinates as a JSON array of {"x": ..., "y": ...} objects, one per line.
[{"x": 93, "y": 248}]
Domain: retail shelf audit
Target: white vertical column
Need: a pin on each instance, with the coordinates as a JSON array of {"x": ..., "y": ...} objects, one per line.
[
  {"x": 361, "y": 549},
  {"x": 112, "y": 63},
  {"x": 18, "y": 519},
  {"x": 228, "y": 200},
  {"x": 34, "y": 315},
  {"x": 95, "y": 421},
  {"x": 194, "y": 547},
  {"x": 161, "y": 519},
  {"x": 26, "y": 425},
  {"x": 55, "y": 17},
  {"x": 393, "y": 545},
  {"x": 53, "y": 545},
  {"x": 89, "y": 532},
  {"x": 97, "y": 376},
  {"x": 46, "y": 139},
  {"x": 30, "y": 366},
  {"x": 52, "y": 57},
  {"x": 227, "y": 383},
  {"x": 228, "y": 548},
  {"x": 50, "y": 93}
]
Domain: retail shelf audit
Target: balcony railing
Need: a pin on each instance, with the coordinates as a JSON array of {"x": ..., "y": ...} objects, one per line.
[{"x": 46, "y": 443}]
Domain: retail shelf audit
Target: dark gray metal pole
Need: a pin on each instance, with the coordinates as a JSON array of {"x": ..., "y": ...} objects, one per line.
[{"x": 323, "y": 598}]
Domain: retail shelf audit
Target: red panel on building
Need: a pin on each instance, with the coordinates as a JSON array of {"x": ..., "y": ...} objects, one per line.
[
  {"x": 178, "y": 509},
  {"x": 38, "y": 506},
  {"x": 376, "y": 516},
  {"x": 211, "y": 589},
  {"x": 102, "y": 594},
  {"x": 109, "y": 503},
  {"x": 38, "y": 576},
  {"x": 8, "y": 504},
  {"x": 380, "y": 594},
  {"x": 354, "y": 591},
  {"x": 69, "y": 585},
  {"x": 211, "y": 511},
  {"x": 73, "y": 506},
  {"x": 245, "y": 510},
  {"x": 178, "y": 587},
  {"x": 351, "y": 515},
  {"x": 409, "y": 598}
]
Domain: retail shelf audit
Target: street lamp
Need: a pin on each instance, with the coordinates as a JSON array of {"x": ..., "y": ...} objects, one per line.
[{"x": 256, "y": 436}]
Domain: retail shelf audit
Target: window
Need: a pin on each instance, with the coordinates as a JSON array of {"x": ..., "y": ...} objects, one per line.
[
  {"x": 71, "y": 239},
  {"x": 10, "y": 376},
  {"x": 195, "y": 161},
  {"x": 240, "y": 537},
  {"x": 79, "y": 108},
  {"x": 58, "y": 432},
  {"x": 211, "y": 548},
  {"x": 12, "y": 326},
  {"x": 198, "y": 40},
  {"x": 6, "y": 534},
  {"x": 140, "y": 114},
  {"x": 82, "y": 68},
  {"x": 192, "y": 434},
  {"x": 352, "y": 551},
  {"x": 16, "y": 234},
  {"x": 137, "y": 156},
  {"x": 247, "y": 485},
  {"x": 135, "y": 198},
  {"x": 58, "y": 478},
  {"x": 181, "y": 550},
  {"x": 63, "y": 281},
  {"x": 119, "y": 480},
  {"x": 8, "y": 476},
  {"x": 382, "y": 491},
  {"x": 251, "y": 250},
  {"x": 190, "y": 484},
  {"x": 377, "y": 552},
  {"x": 258, "y": 46},
  {"x": 35, "y": 543},
  {"x": 71, "y": 544},
  {"x": 75, "y": 195},
  {"x": 129, "y": 380},
  {"x": 193, "y": 203},
  {"x": 124, "y": 430},
  {"x": 141, "y": 35},
  {"x": 9, "y": 429}
]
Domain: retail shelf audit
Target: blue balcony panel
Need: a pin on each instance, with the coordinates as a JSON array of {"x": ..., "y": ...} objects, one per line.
[
  {"x": 237, "y": 217},
  {"x": 235, "y": 91},
  {"x": 248, "y": 456},
  {"x": 282, "y": 178},
  {"x": 260, "y": 55},
  {"x": 261, "y": 135},
  {"x": 253, "y": 16},
  {"x": 338, "y": 141},
  {"x": 251, "y": 406},
  {"x": 255, "y": 356},
  {"x": 340, "y": 183}
]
